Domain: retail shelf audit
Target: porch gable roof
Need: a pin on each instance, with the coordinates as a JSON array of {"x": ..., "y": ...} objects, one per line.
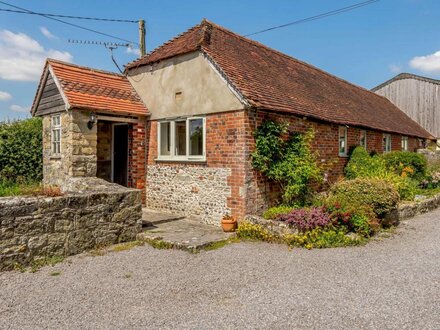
[{"x": 90, "y": 89}]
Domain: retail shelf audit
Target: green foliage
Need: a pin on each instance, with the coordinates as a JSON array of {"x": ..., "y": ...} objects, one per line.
[
  {"x": 322, "y": 238},
  {"x": 247, "y": 230},
  {"x": 383, "y": 167},
  {"x": 288, "y": 161},
  {"x": 406, "y": 163},
  {"x": 362, "y": 165},
  {"x": 274, "y": 212},
  {"x": 379, "y": 194},
  {"x": 21, "y": 151}
]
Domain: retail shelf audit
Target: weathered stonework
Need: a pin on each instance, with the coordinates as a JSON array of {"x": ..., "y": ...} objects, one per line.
[
  {"x": 78, "y": 156},
  {"x": 32, "y": 227},
  {"x": 197, "y": 191},
  {"x": 410, "y": 210}
]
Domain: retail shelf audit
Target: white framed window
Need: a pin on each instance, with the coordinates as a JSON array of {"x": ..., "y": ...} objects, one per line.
[
  {"x": 363, "y": 139},
  {"x": 56, "y": 135},
  {"x": 386, "y": 143},
  {"x": 342, "y": 141},
  {"x": 404, "y": 143},
  {"x": 182, "y": 139}
]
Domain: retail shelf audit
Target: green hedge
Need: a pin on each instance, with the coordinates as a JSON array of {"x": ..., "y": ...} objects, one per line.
[
  {"x": 412, "y": 164},
  {"x": 21, "y": 148}
]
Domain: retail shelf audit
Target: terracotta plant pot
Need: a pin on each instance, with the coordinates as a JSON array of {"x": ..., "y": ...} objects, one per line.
[{"x": 229, "y": 224}]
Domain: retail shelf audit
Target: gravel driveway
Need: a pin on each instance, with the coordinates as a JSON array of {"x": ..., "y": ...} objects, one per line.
[{"x": 393, "y": 283}]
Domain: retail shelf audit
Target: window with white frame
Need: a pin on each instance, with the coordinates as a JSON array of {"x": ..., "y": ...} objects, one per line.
[
  {"x": 363, "y": 139},
  {"x": 342, "y": 141},
  {"x": 404, "y": 143},
  {"x": 182, "y": 139},
  {"x": 386, "y": 143},
  {"x": 56, "y": 134}
]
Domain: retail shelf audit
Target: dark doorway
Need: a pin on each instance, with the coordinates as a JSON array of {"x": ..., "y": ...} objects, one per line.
[{"x": 120, "y": 154}]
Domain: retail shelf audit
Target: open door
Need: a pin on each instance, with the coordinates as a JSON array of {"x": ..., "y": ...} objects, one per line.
[{"x": 120, "y": 154}]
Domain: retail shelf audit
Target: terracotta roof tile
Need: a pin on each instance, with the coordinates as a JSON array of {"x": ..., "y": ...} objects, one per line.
[
  {"x": 271, "y": 80},
  {"x": 88, "y": 88}
]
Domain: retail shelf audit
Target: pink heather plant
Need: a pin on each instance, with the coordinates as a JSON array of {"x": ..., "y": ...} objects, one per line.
[{"x": 307, "y": 219}]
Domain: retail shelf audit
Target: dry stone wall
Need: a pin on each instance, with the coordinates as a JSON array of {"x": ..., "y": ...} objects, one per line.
[
  {"x": 35, "y": 227},
  {"x": 197, "y": 191}
]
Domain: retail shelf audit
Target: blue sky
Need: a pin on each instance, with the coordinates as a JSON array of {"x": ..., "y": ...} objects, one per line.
[{"x": 365, "y": 46}]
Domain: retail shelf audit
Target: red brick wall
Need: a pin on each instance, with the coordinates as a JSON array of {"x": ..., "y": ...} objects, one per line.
[
  {"x": 262, "y": 194},
  {"x": 230, "y": 142},
  {"x": 137, "y": 156}
]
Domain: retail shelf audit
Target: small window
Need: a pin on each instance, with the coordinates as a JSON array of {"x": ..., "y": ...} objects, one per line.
[
  {"x": 56, "y": 134},
  {"x": 342, "y": 141},
  {"x": 165, "y": 139},
  {"x": 363, "y": 139},
  {"x": 386, "y": 143},
  {"x": 404, "y": 143},
  {"x": 182, "y": 139}
]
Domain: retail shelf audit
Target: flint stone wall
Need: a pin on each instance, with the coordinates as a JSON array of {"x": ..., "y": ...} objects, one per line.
[
  {"x": 33, "y": 227},
  {"x": 197, "y": 191}
]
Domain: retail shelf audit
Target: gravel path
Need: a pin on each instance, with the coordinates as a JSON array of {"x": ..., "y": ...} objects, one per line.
[{"x": 393, "y": 283}]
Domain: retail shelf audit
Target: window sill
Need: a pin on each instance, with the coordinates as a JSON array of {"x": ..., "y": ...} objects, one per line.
[
  {"x": 181, "y": 160},
  {"x": 343, "y": 155},
  {"x": 55, "y": 157}
]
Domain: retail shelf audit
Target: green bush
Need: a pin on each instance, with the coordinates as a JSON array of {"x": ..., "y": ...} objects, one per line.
[
  {"x": 21, "y": 151},
  {"x": 322, "y": 238},
  {"x": 362, "y": 165},
  {"x": 274, "y": 212},
  {"x": 378, "y": 194},
  {"x": 383, "y": 167},
  {"x": 288, "y": 160},
  {"x": 406, "y": 163}
]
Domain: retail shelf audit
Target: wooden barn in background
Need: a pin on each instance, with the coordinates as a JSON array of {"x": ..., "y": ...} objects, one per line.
[{"x": 418, "y": 97}]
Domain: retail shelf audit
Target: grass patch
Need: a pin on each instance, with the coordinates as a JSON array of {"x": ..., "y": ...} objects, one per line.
[
  {"x": 219, "y": 244},
  {"x": 428, "y": 192},
  {"x": 8, "y": 188},
  {"x": 126, "y": 246},
  {"x": 55, "y": 273},
  {"x": 38, "y": 263}
]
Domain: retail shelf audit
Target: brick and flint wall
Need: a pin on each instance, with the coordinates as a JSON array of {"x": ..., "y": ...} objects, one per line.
[{"x": 226, "y": 182}]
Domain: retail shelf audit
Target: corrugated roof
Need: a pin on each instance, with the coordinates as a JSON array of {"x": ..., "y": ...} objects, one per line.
[{"x": 271, "y": 80}]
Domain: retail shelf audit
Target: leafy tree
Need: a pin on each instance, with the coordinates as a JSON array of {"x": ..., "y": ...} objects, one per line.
[{"x": 21, "y": 150}]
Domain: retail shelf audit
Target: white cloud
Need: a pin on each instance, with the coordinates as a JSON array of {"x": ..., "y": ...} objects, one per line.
[
  {"x": 134, "y": 51},
  {"x": 395, "y": 68},
  {"x": 47, "y": 33},
  {"x": 5, "y": 96},
  {"x": 429, "y": 63},
  {"x": 22, "y": 58},
  {"x": 18, "y": 108}
]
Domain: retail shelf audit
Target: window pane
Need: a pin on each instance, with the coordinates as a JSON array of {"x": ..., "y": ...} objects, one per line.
[
  {"x": 180, "y": 138},
  {"x": 165, "y": 139},
  {"x": 342, "y": 142},
  {"x": 196, "y": 137}
]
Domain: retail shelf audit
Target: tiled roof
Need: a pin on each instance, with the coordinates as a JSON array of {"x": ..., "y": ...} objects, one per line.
[
  {"x": 271, "y": 80},
  {"x": 87, "y": 88}
]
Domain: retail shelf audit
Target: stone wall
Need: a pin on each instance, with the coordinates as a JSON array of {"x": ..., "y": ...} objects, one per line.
[
  {"x": 78, "y": 156},
  {"x": 197, "y": 191},
  {"x": 433, "y": 157},
  {"x": 97, "y": 214}
]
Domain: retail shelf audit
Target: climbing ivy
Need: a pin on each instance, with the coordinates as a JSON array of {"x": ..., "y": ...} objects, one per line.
[{"x": 287, "y": 158}]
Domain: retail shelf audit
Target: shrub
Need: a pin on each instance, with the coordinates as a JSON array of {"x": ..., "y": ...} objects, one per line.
[
  {"x": 21, "y": 150},
  {"x": 247, "y": 230},
  {"x": 406, "y": 163},
  {"x": 274, "y": 212},
  {"x": 322, "y": 238},
  {"x": 379, "y": 194},
  {"x": 290, "y": 162},
  {"x": 307, "y": 219},
  {"x": 362, "y": 165}
]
